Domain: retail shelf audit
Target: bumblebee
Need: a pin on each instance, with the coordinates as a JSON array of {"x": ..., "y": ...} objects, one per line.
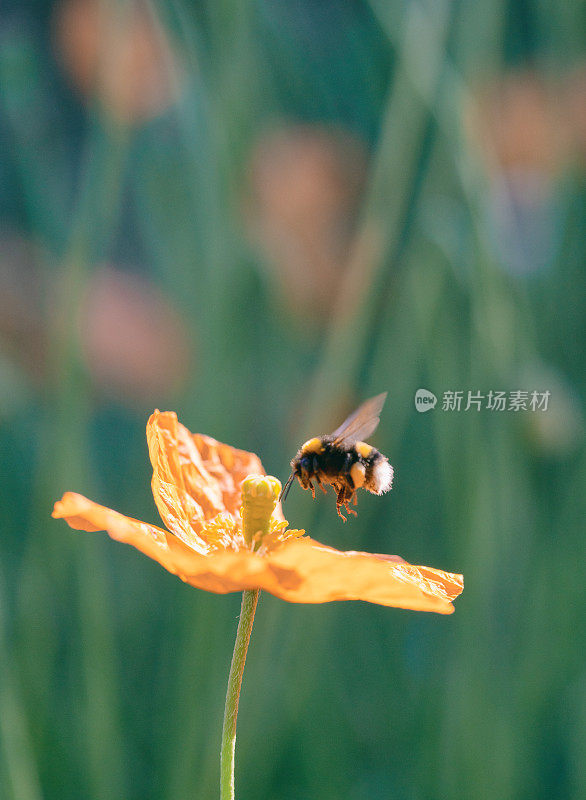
[{"x": 343, "y": 460}]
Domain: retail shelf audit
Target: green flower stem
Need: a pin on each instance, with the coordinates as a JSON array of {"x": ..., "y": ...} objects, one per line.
[
  {"x": 249, "y": 601},
  {"x": 259, "y": 497}
]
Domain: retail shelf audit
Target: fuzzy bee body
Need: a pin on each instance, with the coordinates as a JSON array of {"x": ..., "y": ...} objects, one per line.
[{"x": 341, "y": 459}]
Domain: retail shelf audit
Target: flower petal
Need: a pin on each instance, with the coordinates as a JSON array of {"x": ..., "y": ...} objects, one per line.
[
  {"x": 300, "y": 570},
  {"x": 323, "y": 574},
  {"x": 195, "y": 478},
  {"x": 83, "y": 514}
]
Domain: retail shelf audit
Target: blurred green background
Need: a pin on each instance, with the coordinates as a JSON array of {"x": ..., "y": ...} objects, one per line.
[{"x": 259, "y": 214}]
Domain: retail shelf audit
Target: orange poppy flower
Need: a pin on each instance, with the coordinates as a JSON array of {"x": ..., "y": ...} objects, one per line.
[{"x": 198, "y": 486}]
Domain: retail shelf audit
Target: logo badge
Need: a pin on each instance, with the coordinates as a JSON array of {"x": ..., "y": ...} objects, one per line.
[{"x": 424, "y": 400}]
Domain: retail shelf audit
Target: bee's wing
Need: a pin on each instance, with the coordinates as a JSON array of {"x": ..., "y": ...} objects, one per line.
[{"x": 362, "y": 423}]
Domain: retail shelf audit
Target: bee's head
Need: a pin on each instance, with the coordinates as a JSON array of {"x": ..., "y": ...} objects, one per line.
[
  {"x": 300, "y": 467},
  {"x": 302, "y": 464}
]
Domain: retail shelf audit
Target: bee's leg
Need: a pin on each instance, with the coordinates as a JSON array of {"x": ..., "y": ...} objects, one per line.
[
  {"x": 320, "y": 484},
  {"x": 349, "y": 494},
  {"x": 355, "y": 498},
  {"x": 347, "y": 507},
  {"x": 347, "y": 490},
  {"x": 340, "y": 502},
  {"x": 316, "y": 474}
]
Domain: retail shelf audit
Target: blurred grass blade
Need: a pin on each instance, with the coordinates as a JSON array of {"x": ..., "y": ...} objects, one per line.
[{"x": 16, "y": 748}]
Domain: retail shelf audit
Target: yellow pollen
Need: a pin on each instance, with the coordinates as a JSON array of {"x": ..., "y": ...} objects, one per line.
[
  {"x": 357, "y": 473},
  {"x": 313, "y": 446},
  {"x": 363, "y": 449}
]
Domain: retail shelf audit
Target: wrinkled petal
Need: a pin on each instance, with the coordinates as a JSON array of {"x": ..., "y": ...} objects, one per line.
[
  {"x": 195, "y": 478},
  {"x": 85, "y": 515},
  {"x": 300, "y": 570},
  {"x": 305, "y": 571}
]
